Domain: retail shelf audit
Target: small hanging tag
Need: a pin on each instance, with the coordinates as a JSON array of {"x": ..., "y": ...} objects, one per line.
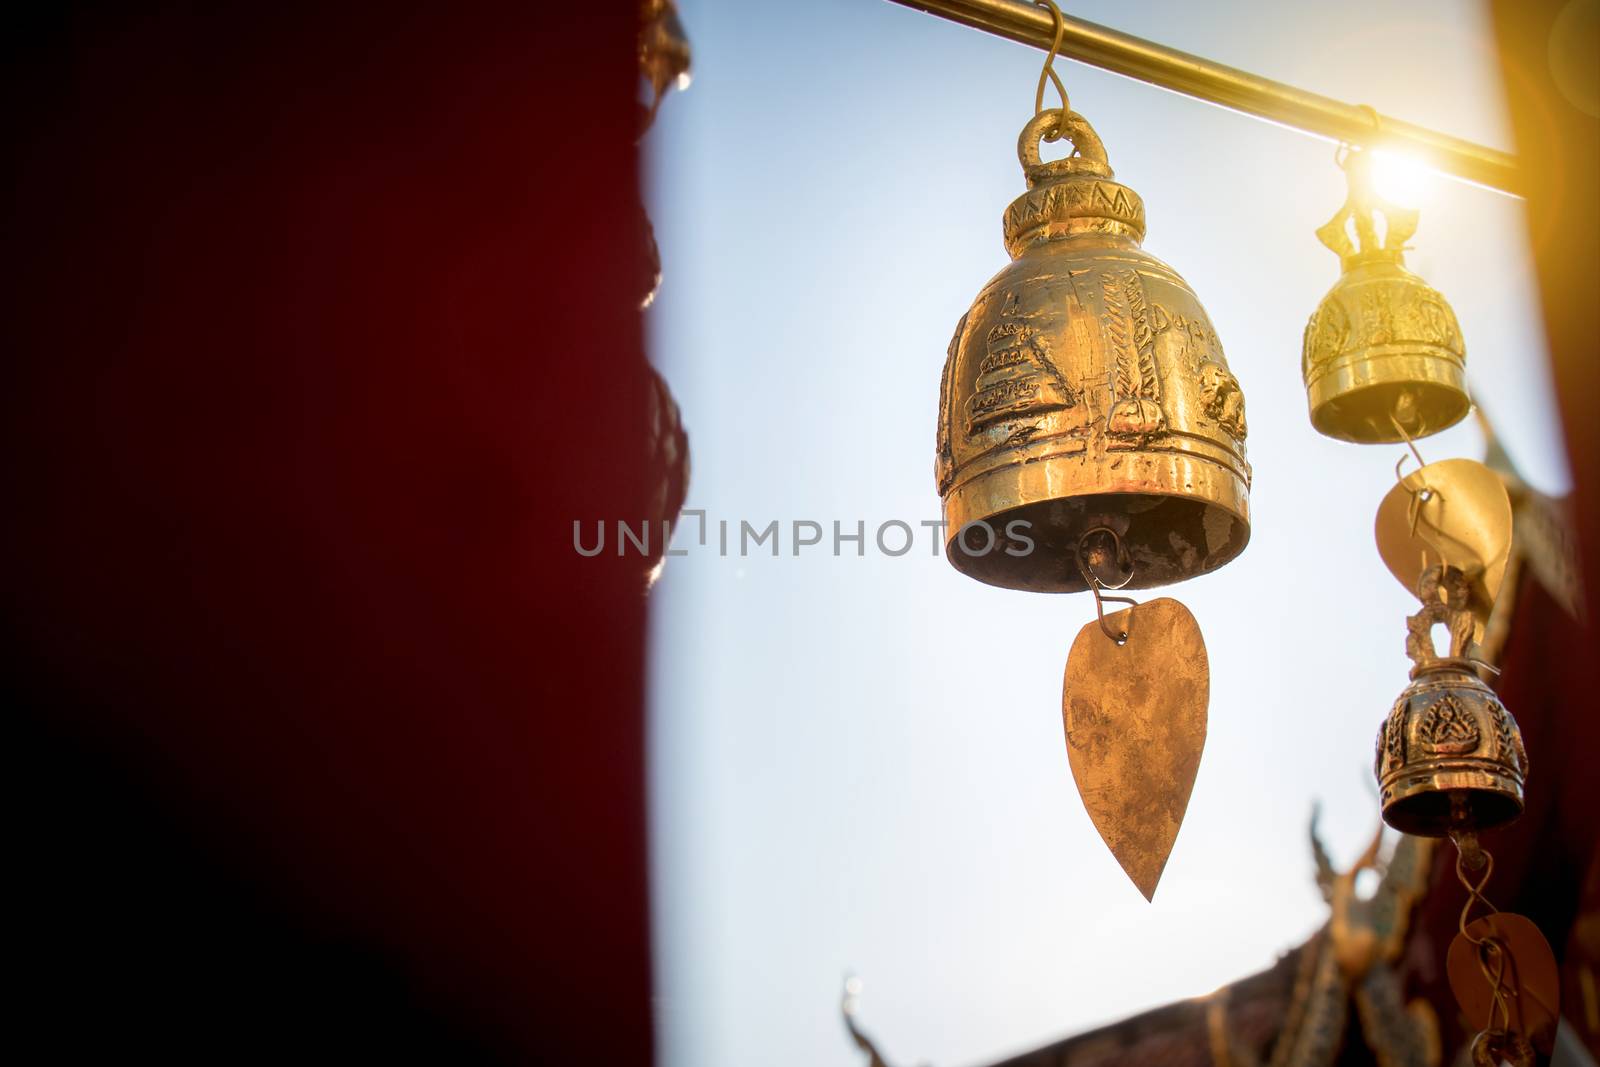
[
  {"x": 1529, "y": 980},
  {"x": 1135, "y": 717},
  {"x": 1455, "y": 511}
]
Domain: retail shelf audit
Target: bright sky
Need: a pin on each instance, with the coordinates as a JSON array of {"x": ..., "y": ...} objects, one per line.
[{"x": 857, "y": 762}]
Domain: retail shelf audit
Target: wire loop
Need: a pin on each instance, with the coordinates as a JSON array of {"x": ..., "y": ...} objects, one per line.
[{"x": 1049, "y": 71}]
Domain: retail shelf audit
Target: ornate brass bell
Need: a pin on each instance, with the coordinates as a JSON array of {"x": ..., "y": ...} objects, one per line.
[
  {"x": 1383, "y": 357},
  {"x": 1449, "y": 756},
  {"x": 1085, "y": 388}
]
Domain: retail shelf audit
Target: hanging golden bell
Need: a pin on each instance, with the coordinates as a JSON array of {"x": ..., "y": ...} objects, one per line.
[
  {"x": 1084, "y": 389},
  {"x": 1382, "y": 357},
  {"x": 1449, "y": 756}
]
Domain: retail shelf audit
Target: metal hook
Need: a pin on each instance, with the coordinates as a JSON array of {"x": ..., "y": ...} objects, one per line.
[
  {"x": 1414, "y": 514},
  {"x": 1420, "y": 496},
  {"x": 1124, "y": 562},
  {"x": 1489, "y": 949},
  {"x": 1401, "y": 430},
  {"x": 1401, "y": 462},
  {"x": 1095, "y": 584},
  {"x": 1471, "y": 855},
  {"x": 1343, "y": 150},
  {"x": 1049, "y": 71},
  {"x": 1100, "y": 611}
]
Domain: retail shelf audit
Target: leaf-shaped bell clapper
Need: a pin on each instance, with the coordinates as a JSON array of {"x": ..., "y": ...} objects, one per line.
[
  {"x": 1449, "y": 756},
  {"x": 1382, "y": 357},
  {"x": 1085, "y": 388}
]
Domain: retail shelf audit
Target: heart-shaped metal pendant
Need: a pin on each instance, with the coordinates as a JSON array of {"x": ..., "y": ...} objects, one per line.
[
  {"x": 1135, "y": 717},
  {"x": 1508, "y": 951},
  {"x": 1455, "y": 511}
]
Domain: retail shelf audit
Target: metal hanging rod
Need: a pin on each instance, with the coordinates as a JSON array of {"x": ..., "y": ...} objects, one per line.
[{"x": 1232, "y": 88}]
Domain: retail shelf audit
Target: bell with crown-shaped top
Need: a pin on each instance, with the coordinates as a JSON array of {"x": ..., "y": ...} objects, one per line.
[
  {"x": 1086, "y": 390},
  {"x": 1382, "y": 357},
  {"x": 1449, "y": 756}
]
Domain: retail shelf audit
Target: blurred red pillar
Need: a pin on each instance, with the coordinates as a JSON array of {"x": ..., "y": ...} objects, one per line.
[{"x": 1549, "y": 56}]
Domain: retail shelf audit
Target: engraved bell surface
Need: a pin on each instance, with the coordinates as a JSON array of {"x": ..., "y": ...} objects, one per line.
[
  {"x": 1086, "y": 388},
  {"x": 1383, "y": 346},
  {"x": 1449, "y": 757}
]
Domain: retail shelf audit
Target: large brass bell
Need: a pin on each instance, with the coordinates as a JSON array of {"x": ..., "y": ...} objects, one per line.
[
  {"x": 1449, "y": 757},
  {"x": 1383, "y": 358},
  {"x": 1086, "y": 389}
]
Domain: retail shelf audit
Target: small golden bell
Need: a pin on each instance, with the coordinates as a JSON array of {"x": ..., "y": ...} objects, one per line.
[
  {"x": 1449, "y": 756},
  {"x": 1383, "y": 348},
  {"x": 1086, "y": 388}
]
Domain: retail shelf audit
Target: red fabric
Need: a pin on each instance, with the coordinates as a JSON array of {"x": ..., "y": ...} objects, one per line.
[
  {"x": 1546, "y": 56},
  {"x": 320, "y": 333},
  {"x": 1558, "y": 149}
]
